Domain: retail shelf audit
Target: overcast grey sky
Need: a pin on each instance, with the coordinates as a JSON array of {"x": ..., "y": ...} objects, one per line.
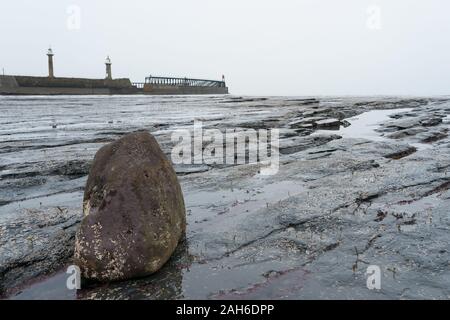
[{"x": 282, "y": 47}]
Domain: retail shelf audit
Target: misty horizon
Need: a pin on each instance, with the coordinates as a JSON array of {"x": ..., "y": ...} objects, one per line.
[{"x": 301, "y": 48}]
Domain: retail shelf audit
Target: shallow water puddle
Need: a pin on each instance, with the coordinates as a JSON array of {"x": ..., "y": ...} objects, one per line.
[
  {"x": 202, "y": 206},
  {"x": 446, "y": 120},
  {"x": 52, "y": 288},
  {"x": 364, "y": 125},
  {"x": 69, "y": 199}
]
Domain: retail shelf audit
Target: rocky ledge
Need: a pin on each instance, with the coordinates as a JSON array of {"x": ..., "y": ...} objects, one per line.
[{"x": 338, "y": 204}]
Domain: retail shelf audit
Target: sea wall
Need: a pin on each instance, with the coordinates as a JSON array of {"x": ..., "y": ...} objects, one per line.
[
  {"x": 8, "y": 82},
  {"x": 171, "y": 89},
  {"x": 24, "y": 85},
  {"x": 25, "y": 81}
]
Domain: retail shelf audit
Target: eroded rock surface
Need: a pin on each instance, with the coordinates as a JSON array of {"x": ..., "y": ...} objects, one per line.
[{"x": 336, "y": 206}]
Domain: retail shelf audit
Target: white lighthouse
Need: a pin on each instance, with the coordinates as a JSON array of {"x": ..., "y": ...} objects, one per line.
[
  {"x": 50, "y": 63},
  {"x": 108, "y": 68}
]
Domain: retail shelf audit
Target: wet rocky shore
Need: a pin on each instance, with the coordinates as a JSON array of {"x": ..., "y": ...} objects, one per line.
[{"x": 362, "y": 181}]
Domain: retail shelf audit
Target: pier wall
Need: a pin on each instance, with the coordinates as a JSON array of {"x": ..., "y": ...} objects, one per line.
[
  {"x": 25, "y": 81},
  {"x": 175, "y": 90},
  {"x": 25, "y": 85}
]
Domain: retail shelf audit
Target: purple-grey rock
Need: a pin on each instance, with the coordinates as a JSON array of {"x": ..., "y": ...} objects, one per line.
[{"x": 134, "y": 213}]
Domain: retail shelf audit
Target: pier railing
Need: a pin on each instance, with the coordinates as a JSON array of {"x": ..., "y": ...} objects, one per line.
[
  {"x": 138, "y": 85},
  {"x": 168, "y": 81}
]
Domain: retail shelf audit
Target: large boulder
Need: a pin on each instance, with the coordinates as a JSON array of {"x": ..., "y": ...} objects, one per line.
[{"x": 134, "y": 213}]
